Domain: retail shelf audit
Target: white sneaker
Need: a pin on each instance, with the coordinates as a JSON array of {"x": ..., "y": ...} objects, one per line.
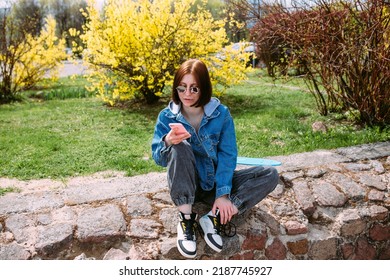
[
  {"x": 186, "y": 237},
  {"x": 211, "y": 227}
]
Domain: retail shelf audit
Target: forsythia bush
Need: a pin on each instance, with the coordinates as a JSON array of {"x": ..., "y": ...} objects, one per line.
[
  {"x": 26, "y": 61},
  {"x": 40, "y": 55},
  {"x": 136, "y": 46}
]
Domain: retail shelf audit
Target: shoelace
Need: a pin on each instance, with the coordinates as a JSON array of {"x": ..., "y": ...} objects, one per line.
[
  {"x": 226, "y": 229},
  {"x": 190, "y": 227}
]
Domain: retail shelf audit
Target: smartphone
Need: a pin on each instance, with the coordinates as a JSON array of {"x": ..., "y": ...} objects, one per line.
[{"x": 178, "y": 127}]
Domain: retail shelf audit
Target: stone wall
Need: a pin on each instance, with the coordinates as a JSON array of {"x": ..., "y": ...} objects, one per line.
[{"x": 328, "y": 205}]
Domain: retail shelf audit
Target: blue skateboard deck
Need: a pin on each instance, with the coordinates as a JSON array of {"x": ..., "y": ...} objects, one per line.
[{"x": 257, "y": 161}]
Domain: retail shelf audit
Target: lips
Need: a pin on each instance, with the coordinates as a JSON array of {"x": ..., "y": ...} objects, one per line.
[{"x": 189, "y": 101}]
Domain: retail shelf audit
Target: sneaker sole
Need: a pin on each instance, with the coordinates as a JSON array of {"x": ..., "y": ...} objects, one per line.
[
  {"x": 208, "y": 242},
  {"x": 185, "y": 253}
]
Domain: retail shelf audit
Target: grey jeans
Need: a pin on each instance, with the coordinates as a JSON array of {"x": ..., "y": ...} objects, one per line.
[{"x": 249, "y": 185}]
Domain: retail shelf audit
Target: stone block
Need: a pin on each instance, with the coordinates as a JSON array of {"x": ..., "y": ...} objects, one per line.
[
  {"x": 323, "y": 249},
  {"x": 116, "y": 254},
  {"x": 375, "y": 195},
  {"x": 294, "y": 228},
  {"x": 14, "y": 251},
  {"x": 278, "y": 191},
  {"x": 299, "y": 247},
  {"x": 64, "y": 214},
  {"x": 351, "y": 223},
  {"x": 243, "y": 256},
  {"x": 385, "y": 253},
  {"x": 377, "y": 166},
  {"x": 23, "y": 229},
  {"x": 29, "y": 202},
  {"x": 139, "y": 205},
  {"x": 288, "y": 177},
  {"x": 263, "y": 212},
  {"x": 169, "y": 217},
  {"x": 380, "y": 232},
  {"x": 144, "y": 228},
  {"x": 95, "y": 224},
  {"x": 357, "y": 167},
  {"x": 322, "y": 244},
  {"x": 327, "y": 194},
  {"x": 276, "y": 250},
  {"x": 254, "y": 240},
  {"x": 53, "y": 237},
  {"x": 366, "y": 151},
  {"x": 374, "y": 212},
  {"x": 310, "y": 159},
  {"x": 169, "y": 249},
  {"x": 304, "y": 197},
  {"x": 361, "y": 250},
  {"x": 348, "y": 186},
  {"x": 316, "y": 172},
  {"x": 373, "y": 181}
]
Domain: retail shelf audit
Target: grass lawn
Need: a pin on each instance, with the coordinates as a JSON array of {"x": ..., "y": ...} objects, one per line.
[{"x": 58, "y": 138}]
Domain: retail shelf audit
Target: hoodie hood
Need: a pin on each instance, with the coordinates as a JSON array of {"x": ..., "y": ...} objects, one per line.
[{"x": 209, "y": 108}]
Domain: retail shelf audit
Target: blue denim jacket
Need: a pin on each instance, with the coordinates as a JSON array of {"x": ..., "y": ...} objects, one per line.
[{"x": 214, "y": 145}]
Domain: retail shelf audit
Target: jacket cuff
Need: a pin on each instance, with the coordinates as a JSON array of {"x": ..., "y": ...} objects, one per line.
[{"x": 223, "y": 190}]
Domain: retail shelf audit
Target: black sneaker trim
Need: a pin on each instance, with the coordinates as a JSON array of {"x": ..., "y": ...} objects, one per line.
[
  {"x": 186, "y": 252},
  {"x": 210, "y": 238}
]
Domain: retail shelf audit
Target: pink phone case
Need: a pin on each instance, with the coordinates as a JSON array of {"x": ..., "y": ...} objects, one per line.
[{"x": 180, "y": 127}]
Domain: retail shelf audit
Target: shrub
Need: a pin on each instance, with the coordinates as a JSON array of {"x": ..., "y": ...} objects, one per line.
[
  {"x": 343, "y": 48},
  {"x": 136, "y": 47},
  {"x": 25, "y": 58}
]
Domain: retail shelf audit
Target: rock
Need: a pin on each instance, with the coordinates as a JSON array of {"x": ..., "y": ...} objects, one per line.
[
  {"x": 323, "y": 246},
  {"x": 380, "y": 232},
  {"x": 348, "y": 186},
  {"x": 375, "y": 212},
  {"x": 116, "y": 254},
  {"x": 299, "y": 247},
  {"x": 351, "y": 223},
  {"x": 83, "y": 257},
  {"x": 144, "y": 228},
  {"x": 139, "y": 205},
  {"x": 29, "y": 202},
  {"x": 52, "y": 237},
  {"x": 294, "y": 228},
  {"x": 319, "y": 127},
  {"x": 276, "y": 251},
  {"x": 304, "y": 197},
  {"x": 327, "y": 194},
  {"x": 14, "y": 251},
  {"x": 316, "y": 172},
  {"x": 95, "y": 224},
  {"x": 373, "y": 181}
]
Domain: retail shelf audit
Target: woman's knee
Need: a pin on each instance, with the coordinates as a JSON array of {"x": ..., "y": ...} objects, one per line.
[
  {"x": 274, "y": 177},
  {"x": 182, "y": 148}
]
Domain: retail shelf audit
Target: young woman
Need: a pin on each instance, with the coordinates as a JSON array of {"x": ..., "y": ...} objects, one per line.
[{"x": 201, "y": 159}]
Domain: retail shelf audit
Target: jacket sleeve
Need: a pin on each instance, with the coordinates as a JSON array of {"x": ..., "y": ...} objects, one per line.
[
  {"x": 227, "y": 157},
  {"x": 159, "y": 147}
]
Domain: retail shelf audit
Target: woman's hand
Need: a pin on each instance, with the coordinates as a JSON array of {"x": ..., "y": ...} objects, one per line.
[
  {"x": 174, "y": 137},
  {"x": 226, "y": 208}
]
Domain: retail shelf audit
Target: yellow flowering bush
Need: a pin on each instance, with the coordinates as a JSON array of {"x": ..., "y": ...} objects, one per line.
[
  {"x": 26, "y": 61},
  {"x": 135, "y": 47}
]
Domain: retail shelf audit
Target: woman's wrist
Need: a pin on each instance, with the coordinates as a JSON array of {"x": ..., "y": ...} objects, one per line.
[{"x": 166, "y": 141}]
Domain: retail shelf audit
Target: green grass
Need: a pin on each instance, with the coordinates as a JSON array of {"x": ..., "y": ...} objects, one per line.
[
  {"x": 64, "y": 136},
  {"x": 3, "y": 191}
]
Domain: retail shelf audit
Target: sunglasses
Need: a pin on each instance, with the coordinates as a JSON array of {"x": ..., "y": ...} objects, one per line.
[{"x": 193, "y": 90}]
